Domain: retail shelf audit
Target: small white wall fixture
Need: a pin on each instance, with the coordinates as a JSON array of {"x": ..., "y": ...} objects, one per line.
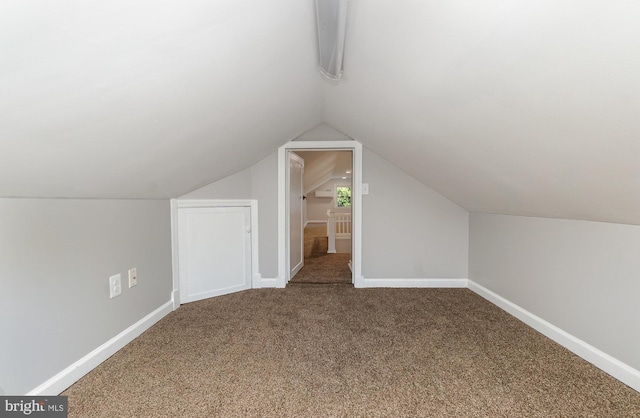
[
  {"x": 177, "y": 204},
  {"x": 356, "y": 202}
]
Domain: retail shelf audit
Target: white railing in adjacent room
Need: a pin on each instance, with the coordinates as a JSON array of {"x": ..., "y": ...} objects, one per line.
[{"x": 338, "y": 227}]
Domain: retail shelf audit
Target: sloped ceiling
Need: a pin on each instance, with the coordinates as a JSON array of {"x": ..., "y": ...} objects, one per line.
[
  {"x": 519, "y": 107},
  {"x": 507, "y": 106},
  {"x": 146, "y": 98},
  {"x": 322, "y": 166}
]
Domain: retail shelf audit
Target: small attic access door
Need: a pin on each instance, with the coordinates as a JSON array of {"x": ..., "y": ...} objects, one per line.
[{"x": 215, "y": 249}]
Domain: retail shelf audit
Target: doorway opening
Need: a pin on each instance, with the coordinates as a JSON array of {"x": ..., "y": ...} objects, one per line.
[
  {"x": 339, "y": 198},
  {"x": 324, "y": 214}
]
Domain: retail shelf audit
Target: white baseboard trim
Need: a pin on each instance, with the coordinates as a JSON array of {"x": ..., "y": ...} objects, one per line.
[
  {"x": 67, "y": 377},
  {"x": 315, "y": 222},
  {"x": 619, "y": 370},
  {"x": 415, "y": 283},
  {"x": 256, "y": 281},
  {"x": 175, "y": 299},
  {"x": 268, "y": 282}
]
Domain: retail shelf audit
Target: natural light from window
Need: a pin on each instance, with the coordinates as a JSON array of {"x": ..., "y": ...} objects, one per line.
[{"x": 343, "y": 196}]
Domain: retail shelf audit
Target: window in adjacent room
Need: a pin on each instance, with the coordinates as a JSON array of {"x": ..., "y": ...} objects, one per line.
[{"x": 343, "y": 196}]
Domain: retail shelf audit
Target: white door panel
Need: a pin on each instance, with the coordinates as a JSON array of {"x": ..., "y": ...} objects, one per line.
[
  {"x": 296, "y": 226},
  {"x": 215, "y": 251}
]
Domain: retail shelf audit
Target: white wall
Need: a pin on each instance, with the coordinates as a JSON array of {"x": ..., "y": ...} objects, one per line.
[
  {"x": 259, "y": 182},
  {"x": 55, "y": 260},
  {"x": 264, "y": 187},
  {"x": 581, "y": 276},
  {"x": 235, "y": 186},
  {"x": 409, "y": 231},
  {"x": 317, "y": 207},
  {"x": 428, "y": 237}
]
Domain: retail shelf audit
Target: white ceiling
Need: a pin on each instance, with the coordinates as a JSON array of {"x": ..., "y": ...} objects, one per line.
[
  {"x": 149, "y": 98},
  {"x": 521, "y": 107},
  {"x": 509, "y": 106},
  {"x": 322, "y": 166}
]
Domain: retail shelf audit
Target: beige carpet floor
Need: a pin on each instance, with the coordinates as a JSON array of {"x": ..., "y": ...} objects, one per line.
[
  {"x": 320, "y": 267},
  {"x": 336, "y": 351}
]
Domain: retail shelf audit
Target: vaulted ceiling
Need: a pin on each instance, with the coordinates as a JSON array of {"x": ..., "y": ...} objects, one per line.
[
  {"x": 507, "y": 106},
  {"x": 149, "y": 98},
  {"x": 323, "y": 166}
]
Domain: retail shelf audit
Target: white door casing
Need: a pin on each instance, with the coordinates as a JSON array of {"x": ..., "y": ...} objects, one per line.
[
  {"x": 283, "y": 204},
  {"x": 215, "y": 248},
  {"x": 296, "y": 221}
]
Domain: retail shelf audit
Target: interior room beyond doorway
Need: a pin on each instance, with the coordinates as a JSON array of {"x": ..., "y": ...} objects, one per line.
[{"x": 327, "y": 214}]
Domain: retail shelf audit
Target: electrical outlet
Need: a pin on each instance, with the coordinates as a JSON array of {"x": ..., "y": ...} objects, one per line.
[
  {"x": 115, "y": 285},
  {"x": 133, "y": 277}
]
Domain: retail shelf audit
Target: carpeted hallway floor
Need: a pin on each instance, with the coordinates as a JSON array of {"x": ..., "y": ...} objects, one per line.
[
  {"x": 317, "y": 351},
  {"x": 320, "y": 267}
]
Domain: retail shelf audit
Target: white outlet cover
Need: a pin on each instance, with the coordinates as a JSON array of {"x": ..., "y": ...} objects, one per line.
[
  {"x": 133, "y": 277},
  {"x": 115, "y": 285}
]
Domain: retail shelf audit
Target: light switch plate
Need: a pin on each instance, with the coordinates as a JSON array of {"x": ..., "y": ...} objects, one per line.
[{"x": 365, "y": 188}]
